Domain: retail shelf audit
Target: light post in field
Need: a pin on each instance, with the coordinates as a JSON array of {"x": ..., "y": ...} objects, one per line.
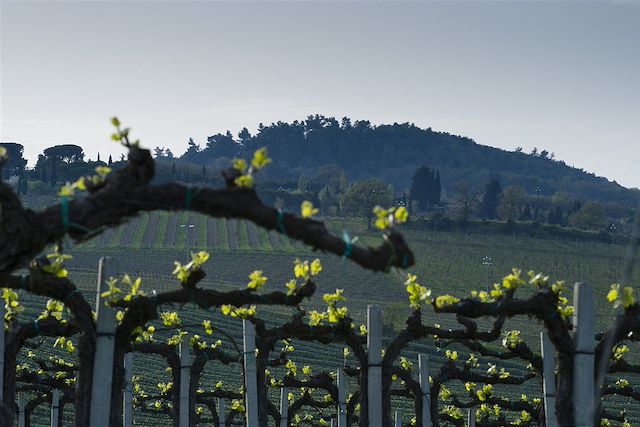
[
  {"x": 187, "y": 227},
  {"x": 612, "y": 229},
  {"x": 487, "y": 262}
]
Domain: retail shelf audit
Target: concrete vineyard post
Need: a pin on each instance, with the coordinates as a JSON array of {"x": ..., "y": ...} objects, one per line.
[
  {"x": 342, "y": 399},
  {"x": 55, "y": 407},
  {"x": 398, "y": 419},
  {"x": 2, "y": 313},
  {"x": 284, "y": 407},
  {"x": 374, "y": 369},
  {"x": 583, "y": 358},
  {"x": 549, "y": 380},
  {"x": 250, "y": 380},
  {"x": 423, "y": 368},
  {"x": 105, "y": 342},
  {"x": 471, "y": 419},
  {"x": 21, "y": 414},
  {"x": 127, "y": 403},
  {"x": 222, "y": 412},
  {"x": 185, "y": 377}
]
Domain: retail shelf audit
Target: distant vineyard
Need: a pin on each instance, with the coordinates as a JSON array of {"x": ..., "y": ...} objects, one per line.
[{"x": 190, "y": 231}]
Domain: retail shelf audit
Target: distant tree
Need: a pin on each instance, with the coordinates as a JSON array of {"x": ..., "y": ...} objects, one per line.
[
  {"x": 465, "y": 201},
  {"x": 24, "y": 187},
  {"x": 41, "y": 168},
  {"x": 518, "y": 149},
  {"x": 66, "y": 152},
  {"x": 110, "y": 162},
  {"x": 158, "y": 152},
  {"x": 192, "y": 147},
  {"x": 303, "y": 183},
  {"x": 490, "y": 199},
  {"x": 591, "y": 216},
  {"x": 54, "y": 171},
  {"x": 346, "y": 123},
  {"x": 168, "y": 153},
  {"x": 328, "y": 200},
  {"x": 98, "y": 159},
  {"x": 525, "y": 213},
  {"x": 534, "y": 152},
  {"x": 362, "y": 196},
  {"x": 511, "y": 201},
  {"x": 15, "y": 164},
  {"x": 544, "y": 154},
  {"x": 425, "y": 187},
  {"x": 244, "y": 136},
  {"x": 437, "y": 188},
  {"x": 221, "y": 145}
]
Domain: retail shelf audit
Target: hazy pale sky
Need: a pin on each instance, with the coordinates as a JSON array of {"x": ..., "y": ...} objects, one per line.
[{"x": 558, "y": 76}]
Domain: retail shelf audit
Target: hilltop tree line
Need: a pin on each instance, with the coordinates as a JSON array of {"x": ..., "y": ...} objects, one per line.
[
  {"x": 393, "y": 152},
  {"x": 341, "y": 165}
]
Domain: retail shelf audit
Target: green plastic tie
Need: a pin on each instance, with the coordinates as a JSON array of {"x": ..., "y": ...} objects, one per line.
[
  {"x": 66, "y": 224},
  {"x": 280, "y": 223}
]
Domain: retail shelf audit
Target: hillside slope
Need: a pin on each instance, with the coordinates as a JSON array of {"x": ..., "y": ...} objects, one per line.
[{"x": 393, "y": 152}]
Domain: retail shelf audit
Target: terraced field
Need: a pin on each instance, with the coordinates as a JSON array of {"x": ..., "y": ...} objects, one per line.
[{"x": 446, "y": 262}]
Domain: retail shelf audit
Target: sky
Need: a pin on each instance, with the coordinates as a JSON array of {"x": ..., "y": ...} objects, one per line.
[{"x": 560, "y": 76}]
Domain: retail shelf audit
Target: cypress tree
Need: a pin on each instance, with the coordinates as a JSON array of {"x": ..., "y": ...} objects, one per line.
[
  {"x": 110, "y": 160},
  {"x": 423, "y": 187},
  {"x": 438, "y": 188},
  {"x": 491, "y": 199},
  {"x": 43, "y": 172},
  {"x": 25, "y": 185}
]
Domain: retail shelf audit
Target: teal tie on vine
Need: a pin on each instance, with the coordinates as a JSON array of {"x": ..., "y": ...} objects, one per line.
[
  {"x": 66, "y": 224},
  {"x": 189, "y": 196},
  {"x": 348, "y": 245},
  {"x": 280, "y": 223}
]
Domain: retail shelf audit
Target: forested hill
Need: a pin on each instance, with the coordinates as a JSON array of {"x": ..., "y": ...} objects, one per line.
[{"x": 393, "y": 152}]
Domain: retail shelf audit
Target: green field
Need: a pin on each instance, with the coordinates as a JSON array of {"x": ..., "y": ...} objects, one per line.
[{"x": 445, "y": 262}]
